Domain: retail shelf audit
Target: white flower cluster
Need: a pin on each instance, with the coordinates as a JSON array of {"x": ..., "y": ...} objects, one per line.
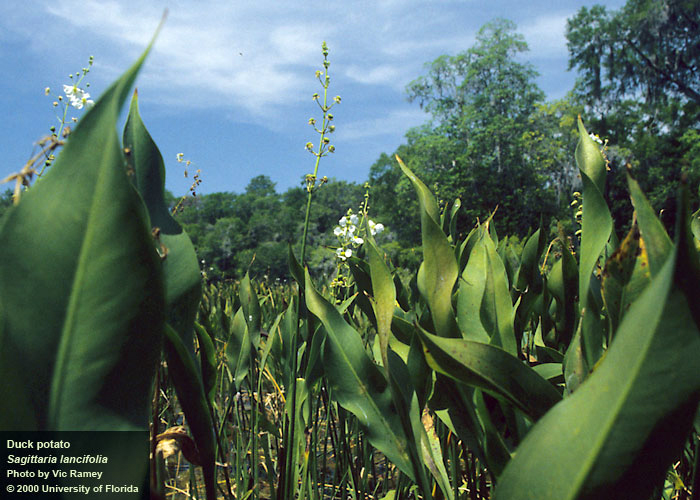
[
  {"x": 596, "y": 138},
  {"x": 77, "y": 96},
  {"x": 347, "y": 233}
]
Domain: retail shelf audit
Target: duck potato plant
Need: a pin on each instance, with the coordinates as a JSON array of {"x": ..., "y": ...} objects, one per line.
[{"x": 562, "y": 370}]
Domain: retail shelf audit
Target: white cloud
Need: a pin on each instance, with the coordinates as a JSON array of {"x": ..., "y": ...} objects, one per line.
[
  {"x": 257, "y": 61},
  {"x": 384, "y": 74},
  {"x": 396, "y": 122},
  {"x": 545, "y": 35}
]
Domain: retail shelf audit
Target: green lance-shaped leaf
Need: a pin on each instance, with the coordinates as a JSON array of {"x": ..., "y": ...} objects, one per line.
[
  {"x": 251, "y": 310},
  {"x": 695, "y": 226},
  {"x": 596, "y": 227},
  {"x": 617, "y": 434},
  {"x": 438, "y": 272},
  {"x": 432, "y": 452},
  {"x": 238, "y": 349},
  {"x": 81, "y": 288},
  {"x": 528, "y": 281},
  {"x": 384, "y": 299},
  {"x": 492, "y": 369},
  {"x": 207, "y": 361},
  {"x": 180, "y": 268},
  {"x": 183, "y": 287},
  {"x": 358, "y": 385},
  {"x": 484, "y": 307},
  {"x": 424, "y": 452},
  {"x": 471, "y": 291},
  {"x": 656, "y": 241},
  {"x": 295, "y": 268},
  {"x": 496, "y": 306},
  {"x": 528, "y": 275},
  {"x": 190, "y": 393},
  {"x": 625, "y": 276},
  {"x": 562, "y": 282}
]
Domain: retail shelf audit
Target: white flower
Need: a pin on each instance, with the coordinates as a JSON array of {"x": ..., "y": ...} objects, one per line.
[
  {"x": 357, "y": 240},
  {"x": 595, "y": 138},
  {"x": 354, "y": 219},
  {"x": 343, "y": 221},
  {"x": 77, "y": 96},
  {"x": 338, "y": 231},
  {"x": 343, "y": 253},
  {"x": 375, "y": 228}
]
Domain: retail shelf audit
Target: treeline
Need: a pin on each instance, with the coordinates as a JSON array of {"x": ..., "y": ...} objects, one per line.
[
  {"x": 495, "y": 143},
  {"x": 234, "y": 233}
]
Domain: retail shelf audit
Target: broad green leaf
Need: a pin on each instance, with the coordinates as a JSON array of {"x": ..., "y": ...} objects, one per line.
[
  {"x": 596, "y": 228},
  {"x": 528, "y": 282},
  {"x": 192, "y": 398},
  {"x": 183, "y": 282},
  {"x": 432, "y": 454},
  {"x": 183, "y": 287},
  {"x": 207, "y": 361},
  {"x": 484, "y": 307},
  {"x": 625, "y": 276},
  {"x": 453, "y": 219},
  {"x": 695, "y": 226},
  {"x": 562, "y": 282},
  {"x": 656, "y": 242},
  {"x": 384, "y": 296},
  {"x": 492, "y": 369},
  {"x": 81, "y": 286},
  {"x": 426, "y": 200},
  {"x": 361, "y": 274},
  {"x": 453, "y": 403},
  {"x": 617, "y": 434},
  {"x": 496, "y": 307},
  {"x": 251, "y": 310},
  {"x": 494, "y": 445},
  {"x": 549, "y": 371},
  {"x": 438, "y": 272},
  {"x": 471, "y": 292},
  {"x": 528, "y": 275},
  {"x": 12, "y": 394},
  {"x": 295, "y": 268},
  {"x": 358, "y": 384},
  {"x": 314, "y": 366},
  {"x": 408, "y": 410},
  {"x": 238, "y": 349}
]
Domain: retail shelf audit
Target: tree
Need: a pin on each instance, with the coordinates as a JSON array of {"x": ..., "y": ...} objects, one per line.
[
  {"x": 474, "y": 148},
  {"x": 650, "y": 47},
  {"x": 639, "y": 79}
]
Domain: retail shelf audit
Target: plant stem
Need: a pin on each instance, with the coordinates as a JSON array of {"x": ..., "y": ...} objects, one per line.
[{"x": 291, "y": 431}]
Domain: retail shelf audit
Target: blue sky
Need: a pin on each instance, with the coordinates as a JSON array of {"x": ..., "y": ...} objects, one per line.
[{"x": 229, "y": 83}]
